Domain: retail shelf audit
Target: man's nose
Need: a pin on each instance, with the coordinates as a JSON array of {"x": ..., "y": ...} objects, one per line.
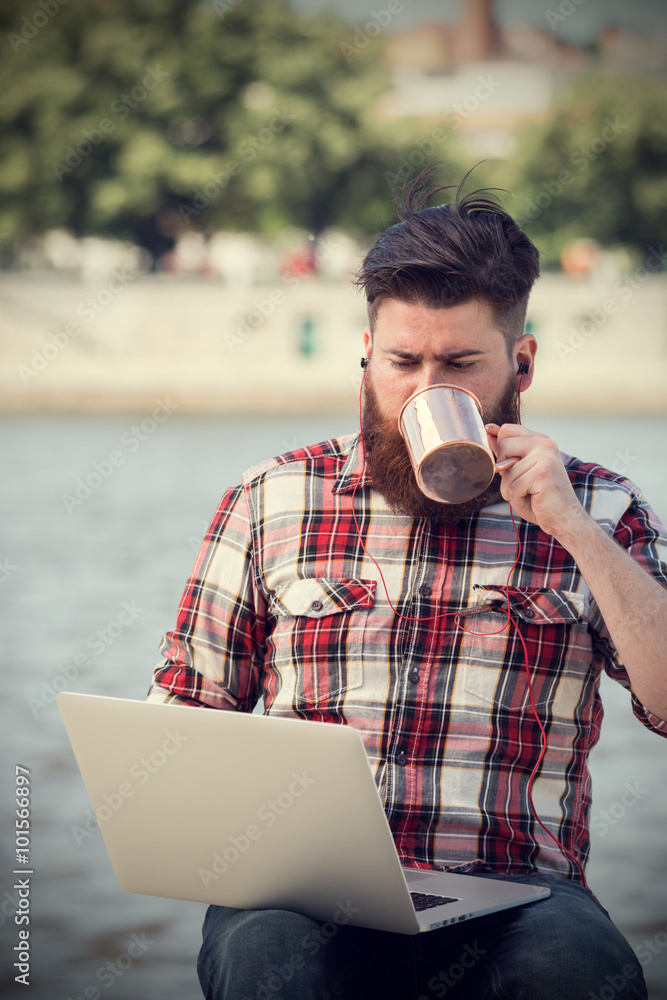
[{"x": 431, "y": 374}]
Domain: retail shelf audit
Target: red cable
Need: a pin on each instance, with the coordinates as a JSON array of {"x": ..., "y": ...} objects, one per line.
[
  {"x": 539, "y": 760},
  {"x": 458, "y": 624}
]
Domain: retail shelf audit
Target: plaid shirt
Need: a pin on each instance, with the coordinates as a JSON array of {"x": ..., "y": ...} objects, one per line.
[{"x": 284, "y": 604}]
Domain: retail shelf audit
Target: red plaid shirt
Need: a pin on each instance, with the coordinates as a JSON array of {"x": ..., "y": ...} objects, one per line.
[{"x": 284, "y": 604}]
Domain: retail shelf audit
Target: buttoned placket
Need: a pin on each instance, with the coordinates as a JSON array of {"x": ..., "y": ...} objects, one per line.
[{"x": 429, "y": 579}]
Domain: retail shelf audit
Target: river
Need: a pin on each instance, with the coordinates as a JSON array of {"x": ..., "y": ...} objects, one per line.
[{"x": 71, "y": 564}]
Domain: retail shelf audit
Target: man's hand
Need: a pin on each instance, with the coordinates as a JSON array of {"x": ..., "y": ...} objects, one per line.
[
  {"x": 538, "y": 488},
  {"x": 537, "y": 485}
]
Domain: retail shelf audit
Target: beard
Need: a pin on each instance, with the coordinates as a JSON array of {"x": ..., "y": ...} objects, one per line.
[{"x": 390, "y": 468}]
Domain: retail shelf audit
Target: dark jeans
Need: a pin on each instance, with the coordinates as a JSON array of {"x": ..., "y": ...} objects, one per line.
[{"x": 561, "y": 948}]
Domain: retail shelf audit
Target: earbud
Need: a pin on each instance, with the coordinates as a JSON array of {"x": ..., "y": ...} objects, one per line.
[
  {"x": 365, "y": 362},
  {"x": 523, "y": 368}
]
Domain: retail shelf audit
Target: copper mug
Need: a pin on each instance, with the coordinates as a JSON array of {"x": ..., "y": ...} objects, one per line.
[{"x": 447, "y": 443}]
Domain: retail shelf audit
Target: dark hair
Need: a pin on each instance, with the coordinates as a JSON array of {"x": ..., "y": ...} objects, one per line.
[{"x": 452, "y": 253}]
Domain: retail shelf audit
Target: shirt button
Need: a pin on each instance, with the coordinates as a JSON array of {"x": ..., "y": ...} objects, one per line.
[
  {"x": 401, "y": 758},
  {"x": 317, "y": 605},
  {"x": 413, "y": 676},
  {"x": 425, "y": 590},
  {"x": 528, "y": 613}
]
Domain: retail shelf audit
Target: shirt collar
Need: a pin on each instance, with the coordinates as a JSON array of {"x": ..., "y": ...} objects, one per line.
[{"x": 353, "y": 474}]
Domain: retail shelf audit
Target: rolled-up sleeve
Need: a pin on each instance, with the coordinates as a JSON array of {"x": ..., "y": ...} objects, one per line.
[
  {"x": 214, "y": 655},
  {"x": 640, "y": 532}
]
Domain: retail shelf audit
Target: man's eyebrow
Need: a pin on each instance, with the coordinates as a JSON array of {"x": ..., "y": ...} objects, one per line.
[{"x": 447, "y": 356}]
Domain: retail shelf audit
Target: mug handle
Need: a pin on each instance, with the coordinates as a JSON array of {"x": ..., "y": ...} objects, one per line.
[{"x": 508, "y": 462}]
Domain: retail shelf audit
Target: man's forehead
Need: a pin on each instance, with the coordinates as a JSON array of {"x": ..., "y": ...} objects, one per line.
[
  {"x": 389, "y": 308},
  {"x": 405, "y": 324}
]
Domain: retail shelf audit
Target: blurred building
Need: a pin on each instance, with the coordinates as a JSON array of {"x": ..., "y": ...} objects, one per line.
[
  {"x": 628, "y": 52},
  {"x": 487, "y": 81}
]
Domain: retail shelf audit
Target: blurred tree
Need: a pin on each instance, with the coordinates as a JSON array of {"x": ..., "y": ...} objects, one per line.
[
  {"x": 595, "y": 168},
  {"x": 146, "y": 118}
]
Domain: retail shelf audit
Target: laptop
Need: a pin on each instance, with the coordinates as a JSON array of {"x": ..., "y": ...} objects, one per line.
[{"x": 257, "y": 812}]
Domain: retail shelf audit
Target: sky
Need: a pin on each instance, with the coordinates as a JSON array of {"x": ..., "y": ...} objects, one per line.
[{"x": 582, "y": 19}]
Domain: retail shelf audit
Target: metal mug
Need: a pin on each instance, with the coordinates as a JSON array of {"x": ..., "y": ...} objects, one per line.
[{"x": 447, "y": 443}]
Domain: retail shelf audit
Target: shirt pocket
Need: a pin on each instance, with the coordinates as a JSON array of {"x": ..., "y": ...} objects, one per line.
[
  {"x": 559, "y": 651},
  {"x": 318, "y": 636}
]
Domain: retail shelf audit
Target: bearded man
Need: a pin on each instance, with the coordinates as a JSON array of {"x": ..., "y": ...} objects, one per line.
[{"x": 332, "y": 588}]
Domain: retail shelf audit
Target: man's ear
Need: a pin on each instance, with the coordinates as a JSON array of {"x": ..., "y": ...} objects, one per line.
[
  {"x": 368, "y": 342},
  {"x": 524, "y": 352}
]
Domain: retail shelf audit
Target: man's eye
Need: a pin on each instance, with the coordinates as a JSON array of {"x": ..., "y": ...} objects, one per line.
[{"x": 456, "y": 365}]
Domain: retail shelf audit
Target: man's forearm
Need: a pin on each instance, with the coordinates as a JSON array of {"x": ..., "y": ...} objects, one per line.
[{"x": 633, "y": 605}]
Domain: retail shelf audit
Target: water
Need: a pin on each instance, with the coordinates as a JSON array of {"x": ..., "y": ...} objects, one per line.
[{"x": 100, "y": 578}]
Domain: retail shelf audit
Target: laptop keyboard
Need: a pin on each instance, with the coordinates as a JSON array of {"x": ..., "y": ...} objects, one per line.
[{"x": 426, "y": 900}]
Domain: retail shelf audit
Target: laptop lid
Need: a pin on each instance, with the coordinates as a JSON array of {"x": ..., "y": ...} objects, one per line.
[{"x": 253, "y": 812}]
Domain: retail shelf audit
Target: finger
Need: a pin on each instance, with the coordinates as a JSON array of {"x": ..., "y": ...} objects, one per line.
[
  {"x": 492, "y": 437},
  {"x": 522, "y": 447},
  {"x": 500, "y": 440}
]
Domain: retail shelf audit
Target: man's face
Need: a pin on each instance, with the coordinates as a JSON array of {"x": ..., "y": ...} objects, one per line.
[{"x": 412, "y": 347}]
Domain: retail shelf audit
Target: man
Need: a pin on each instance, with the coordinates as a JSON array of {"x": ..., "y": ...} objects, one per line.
[{"x": 287, "y": 602}]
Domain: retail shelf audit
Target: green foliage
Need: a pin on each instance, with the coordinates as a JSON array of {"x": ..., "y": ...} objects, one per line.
[
  {"x": 595, "y": 168},
  {"x": 141, "y": 118},
  {"x": 146, "y": 118}
]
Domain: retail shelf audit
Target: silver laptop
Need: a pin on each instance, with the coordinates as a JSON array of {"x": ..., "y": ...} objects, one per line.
[{"x": 257, "y": 812}]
